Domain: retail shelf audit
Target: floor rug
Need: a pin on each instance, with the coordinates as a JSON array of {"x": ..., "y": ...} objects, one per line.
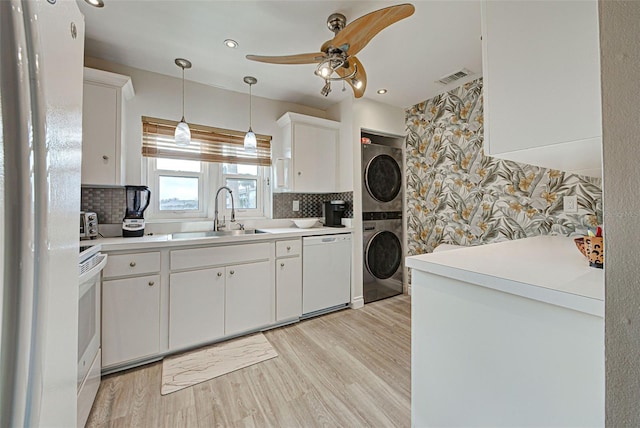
[{"x": 191, "y": 368}]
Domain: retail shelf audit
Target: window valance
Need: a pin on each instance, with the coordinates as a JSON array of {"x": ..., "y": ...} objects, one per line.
[{"x": 208, "y": 144}]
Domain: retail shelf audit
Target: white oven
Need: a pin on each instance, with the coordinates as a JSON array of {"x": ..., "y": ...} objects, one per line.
[{"x": 91, "y": 264}]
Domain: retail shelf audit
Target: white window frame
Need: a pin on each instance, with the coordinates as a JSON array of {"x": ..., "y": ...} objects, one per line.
[
  {"x": 262, "y": 194},
  {"x": 211, "y": 179},
  {"x": 153, "y": 182}
]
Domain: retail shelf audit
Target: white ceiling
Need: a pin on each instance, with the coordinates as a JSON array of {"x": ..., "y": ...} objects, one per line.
[{"x": 406, "y": 58}]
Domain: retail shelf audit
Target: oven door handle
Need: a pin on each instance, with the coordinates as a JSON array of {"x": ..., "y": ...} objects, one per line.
[{"x": 94, "y": 270}]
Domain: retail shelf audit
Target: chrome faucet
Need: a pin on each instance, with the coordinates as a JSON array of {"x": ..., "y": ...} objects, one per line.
[{"x": 216, "y": 222}]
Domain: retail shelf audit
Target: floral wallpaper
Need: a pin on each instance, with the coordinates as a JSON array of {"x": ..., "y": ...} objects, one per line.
[{"x": 456, "y": 195}]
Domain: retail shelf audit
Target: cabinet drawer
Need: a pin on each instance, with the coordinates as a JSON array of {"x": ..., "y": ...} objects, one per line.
[
  {"x": 216, "y": 256},
  {"x": 132, "y": 264},
  {"x": 291, "y": 247}
]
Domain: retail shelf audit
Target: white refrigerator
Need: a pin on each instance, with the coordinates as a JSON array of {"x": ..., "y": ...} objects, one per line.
[{"x": 41, "y": 52}]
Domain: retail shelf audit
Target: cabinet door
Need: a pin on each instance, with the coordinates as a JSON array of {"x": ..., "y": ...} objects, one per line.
[
  {"x": 100, "y": 128},
  {"x": 249, "y": 297},
  {"x": 288, "y": 288},
  {"x": 315, "y": 158},
  {"x": 130, "y": 319},
  {"x": 196, "y": 307},
  {"x": 541, "y": 69}
]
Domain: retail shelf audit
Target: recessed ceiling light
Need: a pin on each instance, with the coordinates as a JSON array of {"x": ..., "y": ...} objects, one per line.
[
  {"x": 382, "y": 91},
  {"x": 231, "y": 43},
  {"x": 95, "y": 3}
]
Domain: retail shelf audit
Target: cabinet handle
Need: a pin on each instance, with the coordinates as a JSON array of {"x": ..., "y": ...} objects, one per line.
[
  {"x": 288, "y": 248},
  {"x": 132, "y": 264},
  {"x": 151, "y": 283},
  {"x": 299, "y": 172},
  {"x": 105, "y": 157},
  {"x": 219, "y": 273},
  {"x": 232, "y": 272},
  {"x": 281, "y": 264}
]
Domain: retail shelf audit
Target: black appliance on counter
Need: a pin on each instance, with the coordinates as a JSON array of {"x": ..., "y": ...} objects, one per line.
[
  {"x": 138, "y": 198},
  {"x": 333, "y": 212}
]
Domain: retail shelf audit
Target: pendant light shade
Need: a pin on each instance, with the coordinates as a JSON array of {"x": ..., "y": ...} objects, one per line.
[
  {"x": 250, "y": 142},
  {"x": 183, "y": 133}
]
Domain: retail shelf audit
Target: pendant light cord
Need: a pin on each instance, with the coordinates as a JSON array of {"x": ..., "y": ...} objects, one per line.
[
  {"x": 250, "y": 108},
  {"x": 182, "y": 94}
]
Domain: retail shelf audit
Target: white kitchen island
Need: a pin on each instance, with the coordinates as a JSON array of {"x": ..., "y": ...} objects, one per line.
[{"x": 507, "y": 334}]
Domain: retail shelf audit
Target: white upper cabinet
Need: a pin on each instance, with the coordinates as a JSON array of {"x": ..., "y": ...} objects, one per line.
[
  {"x": 306, "y": 156},
  {"x": 541, "y": 69},
  {"x": 102, "y": 117}
]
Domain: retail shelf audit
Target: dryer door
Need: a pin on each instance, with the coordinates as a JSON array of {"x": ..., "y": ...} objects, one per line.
[
  {"x": 383, "y": 178},
  {"x": 383, "y": 255}
]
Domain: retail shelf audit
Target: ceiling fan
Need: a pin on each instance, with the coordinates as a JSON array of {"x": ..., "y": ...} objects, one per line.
[{"x": 336, "y": 59}]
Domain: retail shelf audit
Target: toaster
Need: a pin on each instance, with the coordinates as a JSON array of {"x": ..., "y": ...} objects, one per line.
[{"x": 88, "y": 225}]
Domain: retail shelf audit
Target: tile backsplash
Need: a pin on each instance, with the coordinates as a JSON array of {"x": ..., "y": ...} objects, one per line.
[
  {"x": 109, "y": 203},
  {"x": 310, "y": 204}
]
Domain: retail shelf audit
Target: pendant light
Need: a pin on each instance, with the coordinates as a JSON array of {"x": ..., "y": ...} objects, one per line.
[
  {"x": 183, "y": 133},
  {"x": 250, "y": 142}
]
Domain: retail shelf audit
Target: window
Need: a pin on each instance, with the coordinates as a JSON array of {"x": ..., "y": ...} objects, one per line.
[
  {"x": 179, "y": 187},
  {"x": 248, "y": 185},
  {"x": 184, "y": 178}
]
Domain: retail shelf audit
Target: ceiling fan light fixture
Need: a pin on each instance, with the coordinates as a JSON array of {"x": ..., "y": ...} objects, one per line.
[
  {"x": 250, "y": 141},
  {"x": 326, "y": 88},
  {"x": 95, "y": 3},
  {"x": 182, "y": 135},
  {"x": 338, "y": 55},
  {"x": 326, "y": 71},
  {"x": 230, "y": 43}
]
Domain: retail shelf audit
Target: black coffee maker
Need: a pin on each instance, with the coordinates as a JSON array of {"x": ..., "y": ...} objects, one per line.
[
  {"x": 333, "y": 212},
  {"x": 137, "y": 201}
]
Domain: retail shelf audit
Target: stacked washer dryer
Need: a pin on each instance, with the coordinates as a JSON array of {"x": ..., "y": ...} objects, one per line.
[{"x": 382, "y": 196}]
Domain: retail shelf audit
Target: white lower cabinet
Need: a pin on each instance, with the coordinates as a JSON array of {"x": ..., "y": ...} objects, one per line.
[
  {"x": 130, "y": 319},
  {"x": 249, "y": 299},
  {"x": 208, "y": 304},
  {"x": 219, "y": 291},
  {"x": 288, "y": 280},
  {"x": 160, "y": 301},
  {"x": 196, "y": 307}
]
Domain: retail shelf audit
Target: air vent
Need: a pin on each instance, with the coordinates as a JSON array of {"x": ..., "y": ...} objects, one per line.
[{"x": 457, "y": 75}]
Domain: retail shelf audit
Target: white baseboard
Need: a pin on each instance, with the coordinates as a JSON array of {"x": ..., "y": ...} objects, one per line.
[{"x": 357, "y": 302}]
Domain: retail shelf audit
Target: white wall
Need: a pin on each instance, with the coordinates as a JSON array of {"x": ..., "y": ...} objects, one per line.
[
  {"x": 343, "y": 113},
  {"x": 378, "y": 117},
  {"x": 620, "y": 62},
  {"x": 160, "y": 96}
]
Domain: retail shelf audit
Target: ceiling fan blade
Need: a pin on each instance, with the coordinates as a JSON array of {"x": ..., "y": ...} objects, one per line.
[
  {"x": 361, "y": 76},
  {"x": 360, "y": 32},
  {"x": 307, "y": 58}
]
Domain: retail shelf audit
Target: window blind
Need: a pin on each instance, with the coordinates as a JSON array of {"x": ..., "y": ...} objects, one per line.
[{"x": 207, "y": 144}]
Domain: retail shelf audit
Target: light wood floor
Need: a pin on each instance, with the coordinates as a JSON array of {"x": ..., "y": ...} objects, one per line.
[{"x": 346, "y": 369}]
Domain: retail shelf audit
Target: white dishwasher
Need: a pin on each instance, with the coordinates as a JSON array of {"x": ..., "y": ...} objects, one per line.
[{"x": 326, "y": 273}]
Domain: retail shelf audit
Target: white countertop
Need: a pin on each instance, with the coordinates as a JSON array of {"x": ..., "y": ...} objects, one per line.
[
  {"x": 164, "y": 240},
  {"x": 545, "y": 268}
]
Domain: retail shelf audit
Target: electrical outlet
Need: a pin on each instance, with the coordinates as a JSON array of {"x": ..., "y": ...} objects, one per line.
[
  {"x": 296, "y": 205},
  {"x": 570, "y": 204}
]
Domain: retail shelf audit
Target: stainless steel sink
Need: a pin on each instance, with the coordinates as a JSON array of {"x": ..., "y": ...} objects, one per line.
[{"x": 213, "y": 234}]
